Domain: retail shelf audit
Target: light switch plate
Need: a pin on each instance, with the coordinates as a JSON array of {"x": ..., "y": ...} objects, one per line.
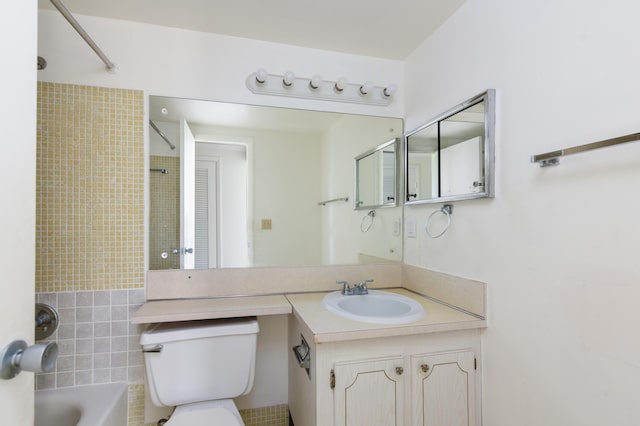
[{"x": 411, "y": 228}]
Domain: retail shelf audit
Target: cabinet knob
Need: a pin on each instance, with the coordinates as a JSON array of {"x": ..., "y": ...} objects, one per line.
[
  {"x": 425, "y": 368},
  {"x": 399, "y": 371}
]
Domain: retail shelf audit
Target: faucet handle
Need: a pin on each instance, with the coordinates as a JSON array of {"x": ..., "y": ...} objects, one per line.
[
  {"x": 363, "y": 283},
  {"x": 345, "y": 286}
]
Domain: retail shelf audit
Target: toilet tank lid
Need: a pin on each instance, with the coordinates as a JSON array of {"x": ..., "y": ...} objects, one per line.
[{"x": 188, "y": 330}]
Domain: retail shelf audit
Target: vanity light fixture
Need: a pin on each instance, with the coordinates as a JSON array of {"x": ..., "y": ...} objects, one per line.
[
  {"x": 389, "y": 90},
  {"x": 261, "y": 75},
  {"x": 287, "y": 84},
  {"x": 366, "y": 88},
  {"x": 288, "y": 78},
  {"x": 315, "y": 82},
  {"x": 341, "y": 84}
]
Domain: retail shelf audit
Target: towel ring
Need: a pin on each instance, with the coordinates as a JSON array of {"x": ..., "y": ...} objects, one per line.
[
  {"x": 446, "y": 210},
  {"x": 364, "y": 226}
]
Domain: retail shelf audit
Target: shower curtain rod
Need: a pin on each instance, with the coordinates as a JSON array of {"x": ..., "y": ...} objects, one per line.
[
  {"x": 159, "y": 132},
  {"x": 111, "y": 67}
]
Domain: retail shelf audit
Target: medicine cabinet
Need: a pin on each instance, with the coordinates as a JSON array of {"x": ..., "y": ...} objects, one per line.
[
  {"x": 376, "y": 183},
  {"x": 451, "y": 157}
]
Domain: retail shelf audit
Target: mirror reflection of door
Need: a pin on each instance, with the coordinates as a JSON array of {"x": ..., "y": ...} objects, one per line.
[
  {"x": 461, "y": 151},
  {"x": 206, "y": 213},
  {"x": 222, "y": 239},
  {"x": 187, "y": 197},
  {"x": 218, "y": 182}
]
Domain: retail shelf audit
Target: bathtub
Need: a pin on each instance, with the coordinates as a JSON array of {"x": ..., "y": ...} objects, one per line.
[{"x": 94, "y": 405}]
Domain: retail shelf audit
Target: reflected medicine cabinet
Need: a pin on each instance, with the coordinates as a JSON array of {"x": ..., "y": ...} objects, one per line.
[
  {"x": 451, "y": 157},
  {"x": 376, "y": 183}
]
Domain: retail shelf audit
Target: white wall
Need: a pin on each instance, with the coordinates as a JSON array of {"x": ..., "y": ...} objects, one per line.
[
  {"x": 343, "y": 240},
  {"x": 188, "y": 64},
  {"x": 558, "y": 247},
  {"x": 17, "y": 192}
]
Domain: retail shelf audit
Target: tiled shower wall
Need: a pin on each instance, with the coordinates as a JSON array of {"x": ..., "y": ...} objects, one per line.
[
  {"x": 90, "y": 232},
  {"x": 164, "y": 212}
]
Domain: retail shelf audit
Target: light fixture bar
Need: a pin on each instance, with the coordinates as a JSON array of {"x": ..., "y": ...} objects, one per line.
[{"x": 288, "y": 85}]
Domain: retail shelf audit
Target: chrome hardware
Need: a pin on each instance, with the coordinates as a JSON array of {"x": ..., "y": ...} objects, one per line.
[
  {"x": 182, "y": 250},
  {"x": 346, "y": 290},
  {"x": 302, "y": 353},
  {"x": 46, "y": 321},
  {"x": 399, "y": 371},
  {"x": 18, "y": 356},
  {"x": 477, "y": 183},
  {"x": 361, "y": 288},
  {"x": 154, "y": 349},
  {"x": 424, "y": 368},
  {"x": 357, "y": 289},
  {"x": 332, "y": 379}
]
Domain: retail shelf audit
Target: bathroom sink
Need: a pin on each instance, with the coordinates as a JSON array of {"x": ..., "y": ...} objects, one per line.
[{"x": 380, "y": 307}]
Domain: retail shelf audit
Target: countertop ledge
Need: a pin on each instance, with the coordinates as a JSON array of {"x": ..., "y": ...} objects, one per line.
[
  {"x": 197, "y": 309},
  {"x": 307, "y": 307}
]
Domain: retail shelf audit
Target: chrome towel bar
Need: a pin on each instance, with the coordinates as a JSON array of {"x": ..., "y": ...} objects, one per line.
[
  {"x": 324, "y": 203},
  {"x": 552, "y": 158}
]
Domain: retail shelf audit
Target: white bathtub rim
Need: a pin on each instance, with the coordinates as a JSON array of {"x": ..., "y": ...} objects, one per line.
[{"x": 97, "y": 402}]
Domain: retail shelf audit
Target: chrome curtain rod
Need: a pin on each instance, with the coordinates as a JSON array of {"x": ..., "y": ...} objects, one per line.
[
  {"x": 551, "y": 158},
  {"x": 111, "y": 67},
  {"x": 159, "y": 132},
  {"x": 324, "y": 203}
]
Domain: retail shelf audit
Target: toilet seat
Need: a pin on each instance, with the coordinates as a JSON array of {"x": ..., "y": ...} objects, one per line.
[{"x": 209, "y": 413}]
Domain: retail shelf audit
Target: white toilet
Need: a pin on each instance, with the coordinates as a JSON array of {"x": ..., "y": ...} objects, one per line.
[{"x": 198, "y": 366}]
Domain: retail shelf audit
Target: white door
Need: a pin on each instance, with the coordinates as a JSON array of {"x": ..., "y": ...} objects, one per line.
[
  {"x": 18, "y": 30},
  {"x": 187, "y": 195},
  {"x": 206, "y": 213}
]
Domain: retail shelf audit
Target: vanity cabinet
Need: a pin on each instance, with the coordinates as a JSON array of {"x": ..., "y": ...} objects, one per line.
[
  {"x": 422, "y": 379},
  {"x": 369, "y": 392},
  {"x": 443, "y": 389}
]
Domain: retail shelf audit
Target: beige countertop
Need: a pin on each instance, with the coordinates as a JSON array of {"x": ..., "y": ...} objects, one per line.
[
  {"x": 211, "y": 308},
  {"x": 307, "y": 307},
  {"x": 328, "y": 327}
]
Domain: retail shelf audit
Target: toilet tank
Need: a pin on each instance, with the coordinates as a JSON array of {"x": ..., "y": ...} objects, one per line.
[{"x": 193, "y": 361}]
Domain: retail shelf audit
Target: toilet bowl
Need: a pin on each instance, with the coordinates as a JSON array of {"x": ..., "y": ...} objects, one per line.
[
  {"x": 218, "y": 413},
  {"x": 199, "y": 366}
]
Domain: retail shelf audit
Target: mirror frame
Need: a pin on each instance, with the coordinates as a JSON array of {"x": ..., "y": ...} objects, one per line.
[
  {"x": 397, "y": 167},
  {"x": 489, "y": 149}
]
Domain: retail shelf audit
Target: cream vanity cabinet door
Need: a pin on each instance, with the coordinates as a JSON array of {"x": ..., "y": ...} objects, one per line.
[
  {"x": 369, "y": 392},
  {"x": 443, "y": 389}
]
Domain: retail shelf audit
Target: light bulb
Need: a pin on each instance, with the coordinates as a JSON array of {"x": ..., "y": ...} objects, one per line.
[
  {"x": 390, "y": 90},
  {"x": 315, "y": 82},
  {"x": 288, "y": 78},
  {"x": 341, "y": 84},
  {"x": 366, "y": 87},
  {"x": 261, "y": 75}
]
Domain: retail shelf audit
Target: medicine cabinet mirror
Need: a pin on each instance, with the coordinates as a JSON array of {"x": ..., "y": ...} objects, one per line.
[
  {"x": 376, "y": 177},
  {"x": 451, "y": 157}
]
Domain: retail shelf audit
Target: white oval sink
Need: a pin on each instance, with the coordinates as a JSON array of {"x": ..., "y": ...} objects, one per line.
[{"x": 380, "y": 307}]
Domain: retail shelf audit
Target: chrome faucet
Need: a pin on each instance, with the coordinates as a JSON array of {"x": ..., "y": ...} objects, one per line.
[{"x": 357, "y": 289}]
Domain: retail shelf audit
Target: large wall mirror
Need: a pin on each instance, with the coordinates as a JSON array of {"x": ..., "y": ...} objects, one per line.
[
  {"x": 451, "y": 157},
  {"x": 248, "y": 186}
]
